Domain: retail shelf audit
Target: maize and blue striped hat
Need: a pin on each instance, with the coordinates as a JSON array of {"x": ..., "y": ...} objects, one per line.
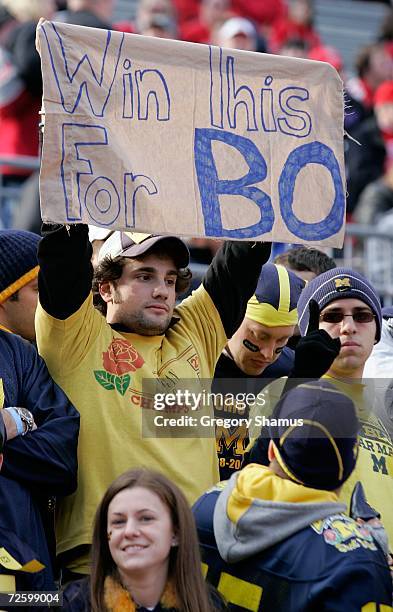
[
  {"x": 276, "y": 296},
  {"x": 315, "y": 439}
]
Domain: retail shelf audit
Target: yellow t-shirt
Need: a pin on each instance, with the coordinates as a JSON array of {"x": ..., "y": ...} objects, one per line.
[
  {"x": 101, "y": 371},
  {"x": 374, "y": 466}
]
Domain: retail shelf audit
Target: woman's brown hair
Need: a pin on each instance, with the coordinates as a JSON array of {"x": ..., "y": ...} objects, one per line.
[{"x": 184, "y": 561}]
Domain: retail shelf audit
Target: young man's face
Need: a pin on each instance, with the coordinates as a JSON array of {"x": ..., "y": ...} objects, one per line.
[
  {"x": 357, "y": 339},
  {"x": 143, "y": 298},
  {"x": 268, "y": 342},
  {"x": 18, "y": 314}
]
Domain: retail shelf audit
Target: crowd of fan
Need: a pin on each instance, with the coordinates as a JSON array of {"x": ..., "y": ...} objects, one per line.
[{"x": 291, "y": 479}]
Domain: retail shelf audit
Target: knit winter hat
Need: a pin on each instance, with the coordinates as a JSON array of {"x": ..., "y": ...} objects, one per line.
[
  {"x": 314, "y": 431},
  {"x": 18, "y": 261},
  {"x": 276, "y": 296},
  {"x": 335, "y": 284}
]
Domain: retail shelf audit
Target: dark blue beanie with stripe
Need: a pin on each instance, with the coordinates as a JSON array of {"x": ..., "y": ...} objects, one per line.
[
  {"x": 315, "y": 439},
  {"x": 18, "y": 261},
  {"x": 336, "y": 284}
]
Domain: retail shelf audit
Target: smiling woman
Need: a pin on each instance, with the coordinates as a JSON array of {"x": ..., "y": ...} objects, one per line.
[{"x": 145, "y": 553}]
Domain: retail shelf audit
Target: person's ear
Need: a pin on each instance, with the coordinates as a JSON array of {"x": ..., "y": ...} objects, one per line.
[
  {"x": 270, "y": 451},
  {"x": 1, "y": 460},
  {"x": 175, "y": 540},
  {"x": 106, "y": 291}
]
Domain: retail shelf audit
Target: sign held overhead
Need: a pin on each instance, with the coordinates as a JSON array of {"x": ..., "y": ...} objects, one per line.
[{"x": 170, "y": 137}]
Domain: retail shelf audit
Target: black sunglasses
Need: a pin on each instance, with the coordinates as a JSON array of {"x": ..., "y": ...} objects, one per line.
[{"x": 362, "y": 316}]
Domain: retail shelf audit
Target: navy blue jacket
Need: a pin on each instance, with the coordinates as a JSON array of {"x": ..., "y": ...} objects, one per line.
[
  {"x": 307, "y": 572},
  {"x": 37, "y": 466}
]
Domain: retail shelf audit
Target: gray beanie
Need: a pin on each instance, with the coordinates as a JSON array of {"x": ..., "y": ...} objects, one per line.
[{"x": 335, "y": 284}]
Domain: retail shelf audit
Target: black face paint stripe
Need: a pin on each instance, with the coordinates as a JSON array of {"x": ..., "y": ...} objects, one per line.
[{"x": 250, "y": 346}]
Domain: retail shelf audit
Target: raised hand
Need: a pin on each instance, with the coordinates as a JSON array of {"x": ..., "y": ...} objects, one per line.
[{"x": 316, "y": 351}]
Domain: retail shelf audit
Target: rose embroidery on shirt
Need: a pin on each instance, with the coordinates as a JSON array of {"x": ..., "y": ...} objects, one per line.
[{"x": 120, "y": 358}]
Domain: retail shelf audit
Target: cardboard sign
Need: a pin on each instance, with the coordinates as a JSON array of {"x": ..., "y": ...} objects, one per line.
[{"x": 170, "y": 137}]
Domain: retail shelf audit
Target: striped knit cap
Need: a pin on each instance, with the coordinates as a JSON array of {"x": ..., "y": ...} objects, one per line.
[
  {"x": 275, "y": 299},
  {"x": 18, "y": 261},
  {"x": 336, "y": 284},
  {"x": 320, "y": 451}
]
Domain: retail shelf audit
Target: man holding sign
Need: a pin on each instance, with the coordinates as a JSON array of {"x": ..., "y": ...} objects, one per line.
[{"x": 101, "y": 363}]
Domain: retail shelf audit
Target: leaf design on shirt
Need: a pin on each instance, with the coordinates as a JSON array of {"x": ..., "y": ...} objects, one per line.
[
  {"x": 122, "y": 383},
  {"x": 105, "y": 379}
]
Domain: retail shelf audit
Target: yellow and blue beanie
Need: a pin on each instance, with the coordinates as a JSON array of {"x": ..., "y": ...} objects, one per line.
[
  {"x": 18, "y": 261},
  {"x": 275, "y": 300}
]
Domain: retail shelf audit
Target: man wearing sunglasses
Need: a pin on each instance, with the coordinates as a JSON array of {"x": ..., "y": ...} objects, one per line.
[
  {"x": 340, "y": 321},
  {"x": 356, "y": 321},
  {"x": 349, "y": 309}
]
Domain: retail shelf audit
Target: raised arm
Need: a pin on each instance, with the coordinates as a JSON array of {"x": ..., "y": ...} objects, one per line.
[
  {"x": 232, "y": 279},
  {"x": 66, "y": 274}
]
